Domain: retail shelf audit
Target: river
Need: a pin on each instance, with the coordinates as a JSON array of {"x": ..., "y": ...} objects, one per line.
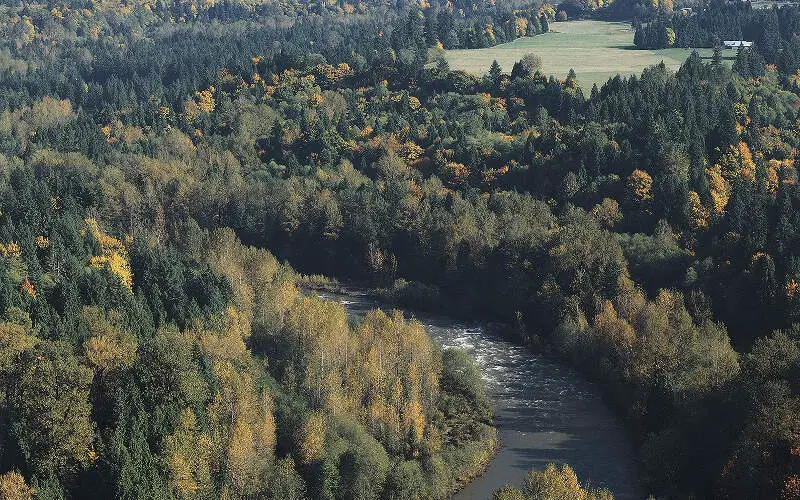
[{"x": 545, "y": 412}]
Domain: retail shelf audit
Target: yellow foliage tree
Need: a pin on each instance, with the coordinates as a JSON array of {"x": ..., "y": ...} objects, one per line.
[
  {"x": 14, "y": 487},
  {"x": 555, "y": 483},
  {"x": 458, "y": 172},
  {"x": 42, "y": 242},
  {"x": 188, "y": 452},
  {"x": 321, "y": 331},
  {"x": 547, "y": 10},
  {"x": 720, "y": 189},
  {"x": 791, "y": 288},
  {"x": 242, "y": 470},
  {"x": 607, "y": 212},
  {"x": 737, "y": 161},
  {"x": 699, "y": 213},
  {"x": 205, "y": 100},
  {"x": 12, "y": 250},
  {"x": 521, "y": 26},
  {"x": 311, "y": 441},
  {"x": 24, "y": 31},
  {"x": 14, "y": 340},
  {"x": 114, "y": 256},
  {"x": 27, "y": 288},
  {"x": 414, "y": 420},
  {"x": 640, "y": 185},
  {"x": 109, "y": 347},
  {"x": 241, "y": 420},
  {"x": 774, "y": 167},
  {"x": 615, "y": 331}
]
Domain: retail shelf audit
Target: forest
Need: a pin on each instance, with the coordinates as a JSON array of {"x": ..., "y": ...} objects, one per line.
[
  {"x": 772, "y": 30},
  {"x": 169, "y": 169}
]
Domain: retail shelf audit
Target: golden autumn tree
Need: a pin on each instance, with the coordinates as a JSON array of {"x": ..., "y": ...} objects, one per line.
[
  {"x": 547, "y": 10},
  {"x": 456, "y": 173},
  {"x": 520, "y": 26},
  {"x": 720, "y": 189},
  {"x": 27, "y": 288},
  {"x": 640, "y": 186},
  {"x": 243, "y": 429},
  {"x": 205, "y": 100},
  {"x": 791, "y": 289},
  {"x": 114, "y": 255},
  {"x": 398, "y": 371},
  {"x": 560, "y": 483},
  {"x": 14, "y": 340},
  {"x": 23, "y": 31},
  {"x": 311, "y": 439},
  {"x": 241, "y": 419},
  {"x": 320, "y": 331},
  {"x": 109, "y": 346},
  {"x": 697, "y": 212},
  {"x": 615, "y": 331},
  {"x": 737, "y": 161},
  {"x": 414, "y": 423},
  {"x": 188, "y": 458},
  {"x": 242, "y": 471},
  {"x": 14, "y": 487},
  {"x": 11, "y": 249}
]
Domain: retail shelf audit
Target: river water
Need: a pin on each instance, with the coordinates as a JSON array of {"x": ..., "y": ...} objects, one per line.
[{"x": 545, "y": 412}]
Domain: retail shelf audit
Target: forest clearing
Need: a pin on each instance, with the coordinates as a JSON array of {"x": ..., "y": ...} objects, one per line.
[{"x": 596, "y": 50}]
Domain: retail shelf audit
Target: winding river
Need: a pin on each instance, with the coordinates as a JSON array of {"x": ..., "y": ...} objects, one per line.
[{"x": 545, "y": 412}]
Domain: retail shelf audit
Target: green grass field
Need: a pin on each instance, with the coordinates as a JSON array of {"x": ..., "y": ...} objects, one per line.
[{"x": 596, "y": 50}]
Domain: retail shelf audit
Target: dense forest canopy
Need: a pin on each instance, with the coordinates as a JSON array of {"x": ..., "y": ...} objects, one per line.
[
  {"x": 154, "y": 154},
  {"x": 773, "y": 30}
]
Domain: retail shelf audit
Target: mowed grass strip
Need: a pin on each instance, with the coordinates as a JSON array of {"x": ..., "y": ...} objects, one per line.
[{"x": 596, "y": 50}]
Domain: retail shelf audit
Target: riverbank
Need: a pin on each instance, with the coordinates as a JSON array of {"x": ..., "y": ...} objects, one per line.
[
  {"x": 545, "y": 412},
  {"x": 471, "y": 460},
  {"x": 417, "y": 296}
]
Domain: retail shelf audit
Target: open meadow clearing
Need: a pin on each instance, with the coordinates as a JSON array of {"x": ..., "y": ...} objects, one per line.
[{"x": 596, "y": 50}]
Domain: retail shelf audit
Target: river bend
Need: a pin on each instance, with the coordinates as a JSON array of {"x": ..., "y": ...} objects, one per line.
[{"x": 545, "y": 412}]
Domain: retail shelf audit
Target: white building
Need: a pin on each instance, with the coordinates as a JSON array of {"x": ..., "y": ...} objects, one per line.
[{"x": 735, "y": 44}]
